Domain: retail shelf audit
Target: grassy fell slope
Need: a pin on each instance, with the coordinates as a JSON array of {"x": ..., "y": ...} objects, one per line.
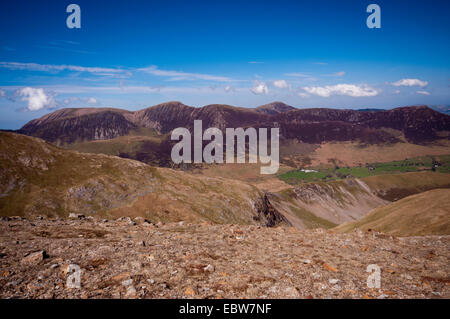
[
  {"x": 322, "y": 204},
  {"x": 40, "y": 178},
  {"x": 417, "y": 215},
  {"x": 37, "y": 177},
  {"x": 393, "y": 187}
]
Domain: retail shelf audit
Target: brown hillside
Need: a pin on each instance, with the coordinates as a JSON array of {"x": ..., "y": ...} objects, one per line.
[
  {"x": 40, "y": 178},
  {"x": 426, "y": 213}
]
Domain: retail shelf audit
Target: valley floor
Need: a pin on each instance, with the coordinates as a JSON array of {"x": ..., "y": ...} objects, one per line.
[{"x": 136, "y": 259}]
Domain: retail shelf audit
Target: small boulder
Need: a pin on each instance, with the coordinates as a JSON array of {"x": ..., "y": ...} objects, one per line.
[
  {"x": 141, "y": 243},
  {"x": 333, "y": 281},
  {"x": 189, "y": 291},
  {"x": 209, "y": 268},
  {"x": 127, "y": 282},
  {"x": 329, "y": 267},
  {"x": 34, "y": 258},
  {"x": 76, "y": 216}
]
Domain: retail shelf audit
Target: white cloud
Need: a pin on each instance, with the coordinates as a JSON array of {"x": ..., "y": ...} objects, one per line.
[
  {"x": 260, "y": 88},
  {"x": 410, "y": 82},
  {"x": 66, "y": 101},
  {"x": 397, "y": 91},
  {"x": 37, "y": 99},
  {"x": 80, "y": 100},
  {"x": 92, "y": 100},
  {"x": 2, "y": 93},
  {"x": 423, "y": 92},
  {"x": 121, "y": 90},
  {"x": 341, "y": 73},
  {"x": 302, "y": 76},
  {"x": 281, "y": 84},
  {"x": 342, "y": 89},
  {"x": 229, "y": 89},
  {"x": 255, "y": 62},
  {"x": 301, "y": 94},
  {"x": 58, "y": 68},
  {"x": 178, "y": 75},
  {"x": 298, "y": 74}
]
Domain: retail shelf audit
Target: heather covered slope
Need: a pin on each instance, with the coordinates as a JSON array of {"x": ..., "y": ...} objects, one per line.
[
  {"x": 40, "y": 178},
  {"x": 427, "y": 213},
  {"x": 72, "y": 125},
  {"x": 417, "y": 124},
  {"x": 274, "y": 108},
  {"x": 309, "y": 137}
]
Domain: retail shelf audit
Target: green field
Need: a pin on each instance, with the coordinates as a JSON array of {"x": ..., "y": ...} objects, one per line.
[{"x": 337, "y": 173}]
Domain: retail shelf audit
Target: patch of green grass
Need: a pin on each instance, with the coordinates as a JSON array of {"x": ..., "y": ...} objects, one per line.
[
  {"x": 309, "y": 177},
  {"x": 310, "y": 220},
  {"x": 339, "y": 173},
  {"x": 352, "y": 171}
]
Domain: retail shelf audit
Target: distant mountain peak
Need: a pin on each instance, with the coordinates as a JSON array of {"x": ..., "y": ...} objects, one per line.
[
  {"x": 170, "y": 105},
  {"x": 274, "y": 108}
]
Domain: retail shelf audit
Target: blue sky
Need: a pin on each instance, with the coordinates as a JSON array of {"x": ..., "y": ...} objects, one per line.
[{"x": 134, "y": 54}]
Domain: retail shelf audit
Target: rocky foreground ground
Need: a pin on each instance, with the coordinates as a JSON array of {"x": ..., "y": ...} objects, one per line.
[{"x": 127, "y": 258}]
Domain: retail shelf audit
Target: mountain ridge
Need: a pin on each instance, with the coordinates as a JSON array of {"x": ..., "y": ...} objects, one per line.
[{"x": 314, "y": 125}]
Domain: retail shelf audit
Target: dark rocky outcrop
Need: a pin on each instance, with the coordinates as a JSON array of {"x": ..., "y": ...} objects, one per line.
[{"x": 267, "y": 214}]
